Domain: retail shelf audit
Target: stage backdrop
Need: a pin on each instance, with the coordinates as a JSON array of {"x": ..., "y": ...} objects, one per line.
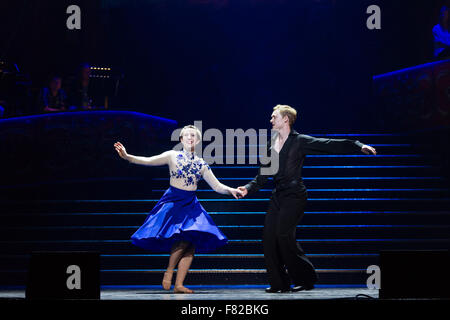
[{"x": 227, "y": 62}]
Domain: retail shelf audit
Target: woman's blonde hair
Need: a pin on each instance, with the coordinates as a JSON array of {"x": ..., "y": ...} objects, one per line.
[
  {"x": 197, "y": 131},
  {"x": 288, "y": 111}
]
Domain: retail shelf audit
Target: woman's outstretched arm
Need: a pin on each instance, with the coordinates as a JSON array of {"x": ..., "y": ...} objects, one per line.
[
  {"x": 216, "y": 185},
  {"x": 157, "y": 160}
]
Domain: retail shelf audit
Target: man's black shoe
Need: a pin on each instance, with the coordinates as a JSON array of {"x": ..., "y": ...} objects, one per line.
[
  {"x": 302, "y": 288},
  {"x": 271, "y": 290}
]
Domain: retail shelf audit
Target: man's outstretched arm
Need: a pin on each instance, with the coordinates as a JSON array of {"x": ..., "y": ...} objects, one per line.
[
  {"x": 256, "y": 184},
  {"x": 259, "y": 181},
  {"x": 312, "y": 145}
]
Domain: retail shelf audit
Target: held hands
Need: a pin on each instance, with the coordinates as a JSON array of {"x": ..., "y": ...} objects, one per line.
[
  {"x": 236, "y": 193},
  {"x": 368, "y": 150},
  {"x": 121, "y": 150},
  {"x": 243, "y": 191}
]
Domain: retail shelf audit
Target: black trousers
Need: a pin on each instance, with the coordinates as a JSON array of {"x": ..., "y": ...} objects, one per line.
[{"x": 285, "y": 260}]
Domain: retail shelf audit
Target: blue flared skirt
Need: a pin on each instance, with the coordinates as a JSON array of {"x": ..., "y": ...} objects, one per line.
[{"x": 178, "y": 216}]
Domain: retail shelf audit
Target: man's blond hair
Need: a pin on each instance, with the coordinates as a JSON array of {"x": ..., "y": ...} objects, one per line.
[
  {"x": 197, "y": 131},
  {"x": 288, "y": 111}
]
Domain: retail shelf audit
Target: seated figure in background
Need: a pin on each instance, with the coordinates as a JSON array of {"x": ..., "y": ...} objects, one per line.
[
  {"x": 441, "y": 35},
  {"x": 80, "y": 95},
  {"x": 53, "y": 98}
]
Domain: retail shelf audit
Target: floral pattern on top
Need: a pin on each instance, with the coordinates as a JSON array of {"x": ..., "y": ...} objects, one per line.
[{"x": 188, "y": 168}]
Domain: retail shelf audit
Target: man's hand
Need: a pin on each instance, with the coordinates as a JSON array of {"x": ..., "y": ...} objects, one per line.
[
  {"x": 243, "y": 190},
  {"x": 368, "y": 150}
]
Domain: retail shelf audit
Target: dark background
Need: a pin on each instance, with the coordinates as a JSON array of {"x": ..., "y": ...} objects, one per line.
[{"x": 227, "y": 62}]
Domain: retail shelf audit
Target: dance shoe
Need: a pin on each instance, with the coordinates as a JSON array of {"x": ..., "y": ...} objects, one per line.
[
  {"x": 272, "y": 290},
  {"x": 302, "y": 288}
]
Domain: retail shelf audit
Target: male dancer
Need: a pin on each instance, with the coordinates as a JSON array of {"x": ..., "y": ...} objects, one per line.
[{"x": 286, "y": 206}]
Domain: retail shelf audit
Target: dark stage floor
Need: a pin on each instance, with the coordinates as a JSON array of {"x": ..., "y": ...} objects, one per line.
[{"x": 215, "y": 293}]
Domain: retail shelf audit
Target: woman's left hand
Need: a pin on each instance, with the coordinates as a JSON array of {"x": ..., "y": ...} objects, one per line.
[{"x": 236, "y": 193}]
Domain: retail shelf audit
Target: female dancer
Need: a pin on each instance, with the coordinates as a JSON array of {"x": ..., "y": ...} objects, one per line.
[{"x": 178, "y": 222}]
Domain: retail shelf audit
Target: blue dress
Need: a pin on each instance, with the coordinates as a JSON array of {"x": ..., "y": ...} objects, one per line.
[{"x": 178, "y": 216}]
